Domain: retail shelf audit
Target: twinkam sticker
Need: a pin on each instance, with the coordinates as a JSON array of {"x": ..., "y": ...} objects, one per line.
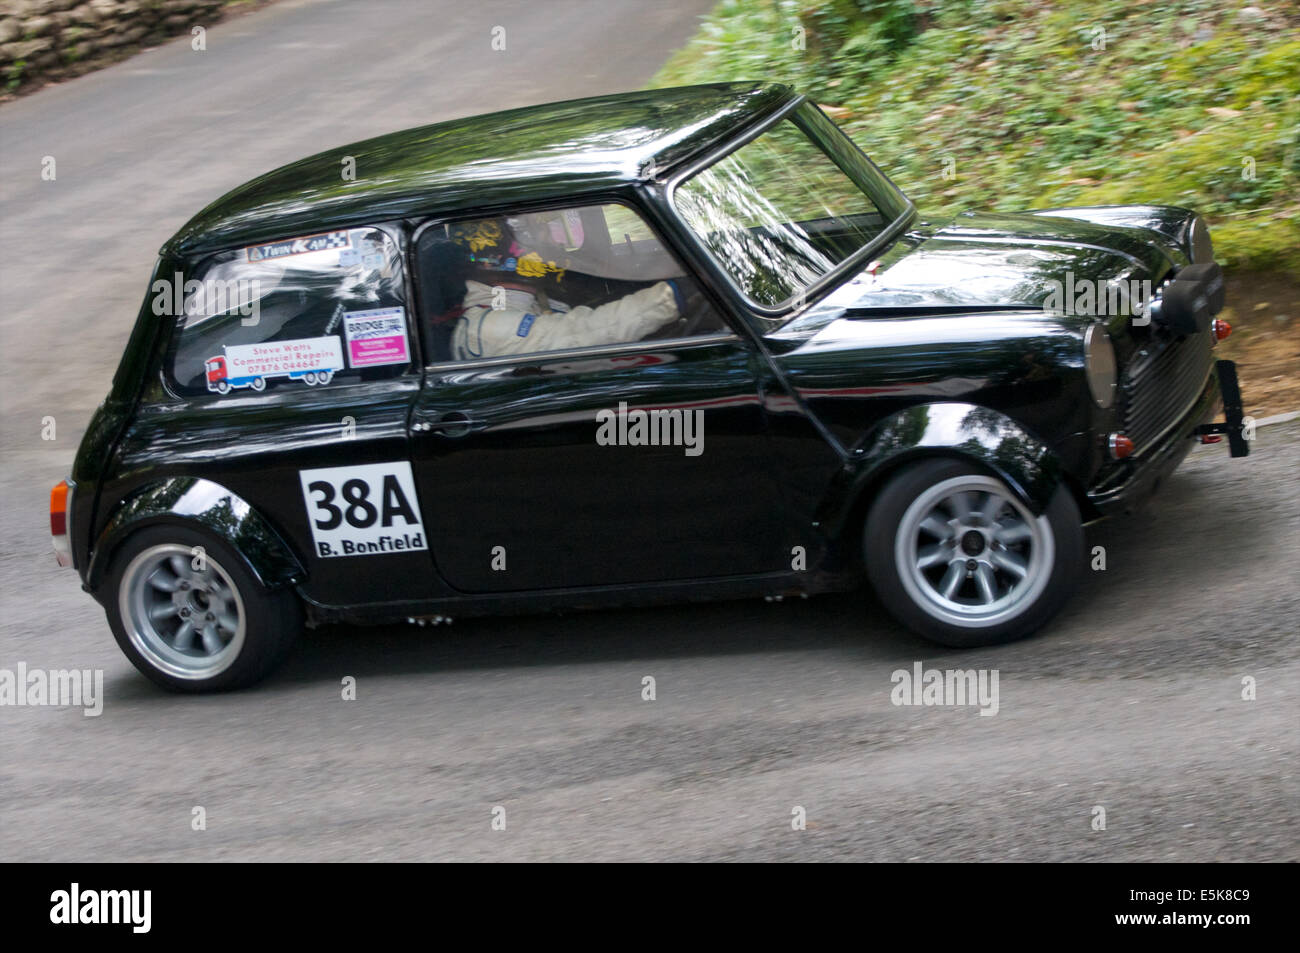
[
  {"x": 298, "y": 246},
  {"x": 375, "y": 337},
  {"x": 363, "y": 511}
]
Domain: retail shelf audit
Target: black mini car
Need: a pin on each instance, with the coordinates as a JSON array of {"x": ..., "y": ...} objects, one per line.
[{"x": 667, "y": 345}]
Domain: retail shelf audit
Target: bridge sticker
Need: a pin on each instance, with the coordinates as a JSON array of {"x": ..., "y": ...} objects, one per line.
[{"x": 376, "y": 337}]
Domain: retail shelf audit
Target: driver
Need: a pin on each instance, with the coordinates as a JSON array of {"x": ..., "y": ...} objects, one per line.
[{"x": 513, "y": 320}]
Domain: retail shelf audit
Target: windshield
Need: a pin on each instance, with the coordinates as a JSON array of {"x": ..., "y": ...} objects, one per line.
[{"x": 779, "y": 213}]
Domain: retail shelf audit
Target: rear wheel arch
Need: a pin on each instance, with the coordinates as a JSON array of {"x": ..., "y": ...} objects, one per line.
[{"x": 202, "y": 505}]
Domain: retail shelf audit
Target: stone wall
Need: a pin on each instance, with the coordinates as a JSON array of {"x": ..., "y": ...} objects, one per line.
[{"x": 43, "y": 40}]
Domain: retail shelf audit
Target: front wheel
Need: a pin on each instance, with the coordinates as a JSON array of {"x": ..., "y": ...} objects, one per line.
[
  {"x": 191, "y": 617},
  {"x": 957, "y": 557}
]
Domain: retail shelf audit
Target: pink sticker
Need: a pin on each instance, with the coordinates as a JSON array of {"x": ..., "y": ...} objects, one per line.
[{"x": 376, "y": 337}]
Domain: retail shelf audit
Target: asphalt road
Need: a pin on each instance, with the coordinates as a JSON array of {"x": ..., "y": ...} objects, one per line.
[{"x": 1130, "y": 701}]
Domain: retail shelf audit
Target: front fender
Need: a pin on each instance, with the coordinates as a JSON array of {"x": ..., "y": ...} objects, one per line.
[
  {"x": 189, "y": 501},
  {"x": 981, "y": 435}
]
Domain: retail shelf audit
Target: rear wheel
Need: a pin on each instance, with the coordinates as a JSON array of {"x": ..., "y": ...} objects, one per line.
[
  {"x": 957, "y": 557},
  {"x": 190, "y": 617}
]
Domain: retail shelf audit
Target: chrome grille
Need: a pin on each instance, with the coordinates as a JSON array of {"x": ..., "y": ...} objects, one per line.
[{"x": 1161, "y": 383}]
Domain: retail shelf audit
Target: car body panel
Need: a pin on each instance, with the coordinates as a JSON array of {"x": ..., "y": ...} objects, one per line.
[
  {"x": 256, "y": 446},
  {"x": 1172, "y": 222},
  {"x": 192, "y": 501},
  {"x": 970, "y": 432},
  {"x": 620, "y": 514}
]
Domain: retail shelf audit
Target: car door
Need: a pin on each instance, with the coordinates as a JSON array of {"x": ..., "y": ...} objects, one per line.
[{"x": 625, "y": 462}]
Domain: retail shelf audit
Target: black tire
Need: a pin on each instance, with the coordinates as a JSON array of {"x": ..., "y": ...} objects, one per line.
[
  {"x": 271, "y": 620},
  {"x": 915, "y": 596}
]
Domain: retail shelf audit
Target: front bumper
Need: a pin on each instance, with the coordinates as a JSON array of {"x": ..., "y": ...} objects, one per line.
[{"x": 1126, "y": 488}]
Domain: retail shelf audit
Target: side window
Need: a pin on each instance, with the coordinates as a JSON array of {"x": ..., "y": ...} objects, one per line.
[
  {"x": 589, "y": 276},
  {"x": 305, "y": 311}
]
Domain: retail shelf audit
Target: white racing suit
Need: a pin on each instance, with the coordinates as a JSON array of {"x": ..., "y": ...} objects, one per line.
[{"x": 520, "y": 326}]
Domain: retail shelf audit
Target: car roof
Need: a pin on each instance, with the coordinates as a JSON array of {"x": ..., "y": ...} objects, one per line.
[{"x": 533, "y": 153}]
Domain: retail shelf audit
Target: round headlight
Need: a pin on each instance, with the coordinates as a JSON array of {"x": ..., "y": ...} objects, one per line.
[
  {"x": 1202, "y": 247},
  {"x": 1099, "y": 361}
]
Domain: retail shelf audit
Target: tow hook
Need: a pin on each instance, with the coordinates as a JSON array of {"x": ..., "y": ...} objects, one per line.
[{"x": 1231, "y": 427}]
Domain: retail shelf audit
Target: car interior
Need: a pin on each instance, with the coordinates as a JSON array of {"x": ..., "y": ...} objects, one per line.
[{"x": 563, "y": 257}]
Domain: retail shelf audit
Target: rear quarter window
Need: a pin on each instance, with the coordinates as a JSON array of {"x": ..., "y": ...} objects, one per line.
[{"x": 305, "y": 311}]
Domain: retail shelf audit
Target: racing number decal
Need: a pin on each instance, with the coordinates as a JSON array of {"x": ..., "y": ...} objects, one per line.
[{"x": 363, "y": 511}]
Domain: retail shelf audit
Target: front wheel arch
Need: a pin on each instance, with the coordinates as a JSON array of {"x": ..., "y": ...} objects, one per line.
[{"x": 978, "y": 435}]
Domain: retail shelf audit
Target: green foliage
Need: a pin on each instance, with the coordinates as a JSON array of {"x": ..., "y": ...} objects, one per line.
[
  {"x": 14, "y": 75},
  {"x": 1182, "y": 102}
]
